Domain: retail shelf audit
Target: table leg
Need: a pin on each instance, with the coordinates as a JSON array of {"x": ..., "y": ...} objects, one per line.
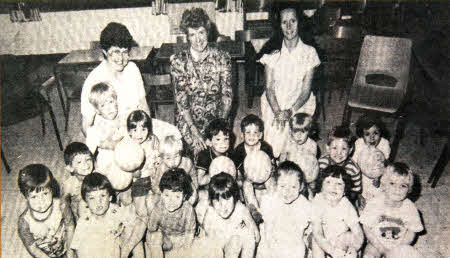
[
  {"x": 59, "y": 88},
  {"x": 8, "y": 169},
  {"x": 401, "y": 122}
]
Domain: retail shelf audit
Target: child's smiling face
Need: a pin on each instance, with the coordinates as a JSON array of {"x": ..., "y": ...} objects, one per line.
[
  {"x": 40, "y": 201},
  {"x": 98, "y": 201},
  {"x": 339, "y": 150},
  {"x": 107, "y": 108},
  {"x": 82, "y": 164},
  {"x": 288, "y": 187},
  {"x": 252, "y": 135},
  {"x": 219, "y": 143},
  {"x": 224, "y": 207},
  {"x": 172, "y": 159},
  {"x": 139, "y": 133},
  {"x": 333, "y": 189},
  {"x": 172, "y": 200},
  {"x": 372, "y": 136}
]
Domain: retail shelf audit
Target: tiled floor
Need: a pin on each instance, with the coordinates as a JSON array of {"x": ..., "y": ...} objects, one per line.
[{"x": 23, "y": 144}]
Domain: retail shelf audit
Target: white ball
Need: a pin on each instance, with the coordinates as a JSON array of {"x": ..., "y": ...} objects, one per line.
[
  {"x": 129, "y": 155},
  {"x": 119, "y": 179},
  {"x": 222, "y": 164},
  {"x": 257, "y": 166}
]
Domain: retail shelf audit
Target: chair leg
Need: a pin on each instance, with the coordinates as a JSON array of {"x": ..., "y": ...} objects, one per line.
[
  {"x": 8, "y": 169},
  {"x": 346, "y": 116},
  {"x": 400, "y": 128},
  {"x": 322, "y": 103},
  {"x": 439, "y": 167},
  {"x": 55, "y": 126},
  {"x": 42, "y": 121},
  {"x": 66, "y": 125}
]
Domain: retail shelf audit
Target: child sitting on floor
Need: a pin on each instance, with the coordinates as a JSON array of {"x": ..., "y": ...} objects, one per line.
[
  {"x": 106, "y": 131},
  {"x": 80, "y": 163},
  {"x": 252, "y": 128},
  {"x": 336, "y": 229},
  {"x": 286, "y": 213},
  {"x": 339, "y": 147},
  {"x": 171, "y": 153},
  {"x": 217, "y": 136},
  {"x": 172, "y": 222},
  {"x": 140, "y": 130},
  {"x": 46, "y": 226},
  {"x": 391, "y": 220},
  {"x": 301, "y": 149},
  {"x": 229, "y": 230},
  {"x": 108, "y": 230},
  {"x": 370, "y": 132}
]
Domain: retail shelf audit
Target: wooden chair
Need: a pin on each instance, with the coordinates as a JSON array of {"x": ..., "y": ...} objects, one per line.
[
  {"x": 381, "y": 80},
  {"x": 439, "y": 167},
  {"x": 160, "y": 91}
]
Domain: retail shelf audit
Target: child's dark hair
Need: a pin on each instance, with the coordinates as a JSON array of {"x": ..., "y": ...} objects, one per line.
[
  {"x": 340, "y": 132},
  {"x": 177, "y": 180},
  {"x": 95, "y": 182},
  {"x": 139, "y": 116},
  {"x": 37, "y": 177},
  {"x": 252, "y": 119},
  {"x": 215, "y": 127},
  {"x": 302, "y": 120},
  {"x": 365, "y": 122},
  {"x": 74, "y": 149},
  {"x": 289, "y": 167},
  {"x": 336, "y": 172},
  {"x": 223, "y": 186}
]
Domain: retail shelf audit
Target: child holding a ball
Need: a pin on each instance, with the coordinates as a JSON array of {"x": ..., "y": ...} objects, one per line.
[
  {"x": 286, "y": 213},
  {"x": 140, "y": 131},
  {"x": 335, "y": 224},
  {"x": 172, "y": 220},
  {"x": 301, "y": 149},
  {"x": 217, "y": 136},
  {"x": 390, "y": 220},
  {"x": 80, "y": 163},
  {"x": 252, "y": 129},
  {"x": 107, "y": 230},
  {"x": 106, "y": 131}
]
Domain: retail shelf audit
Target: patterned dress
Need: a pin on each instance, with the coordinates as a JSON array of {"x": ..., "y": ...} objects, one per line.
[{"x": 202, "y": 88}]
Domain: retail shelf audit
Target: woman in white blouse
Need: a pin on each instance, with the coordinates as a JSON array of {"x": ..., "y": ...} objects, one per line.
[{"x": 289, "y": 73}]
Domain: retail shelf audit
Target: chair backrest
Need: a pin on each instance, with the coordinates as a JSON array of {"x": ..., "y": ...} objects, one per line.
[
  {"x": 73, "y": 83},
  {"x": 382, "y": 74},
  {"x": 159, "y": 88}
]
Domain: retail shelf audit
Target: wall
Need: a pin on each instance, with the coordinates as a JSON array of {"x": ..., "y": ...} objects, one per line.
[{"x": 62, "y": 32}]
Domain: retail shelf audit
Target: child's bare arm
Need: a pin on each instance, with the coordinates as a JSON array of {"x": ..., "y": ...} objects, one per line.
[
  {"x": 248, "y": 247},
  {"x": 137, "y": 233},
  {"x": 249, "y": 194},
  {"x": 203, "y": 178},
  {"x": 247, "y": 217},
  {"x": 357, "y": 236},
  {"x": 28, "y": 240},
  {"x": 372, "y": 238},
  {"x": 323, "y": 243},
  {"x": 70, "y": 227}
]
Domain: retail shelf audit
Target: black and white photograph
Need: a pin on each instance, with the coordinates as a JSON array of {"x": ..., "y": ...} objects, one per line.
[{"x": 224, "y": 128}]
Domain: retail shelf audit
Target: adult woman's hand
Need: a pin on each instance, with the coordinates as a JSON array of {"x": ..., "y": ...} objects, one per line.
[{"x": 197, "y": 138}]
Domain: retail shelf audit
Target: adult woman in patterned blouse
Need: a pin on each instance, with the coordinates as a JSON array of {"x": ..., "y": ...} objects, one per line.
[{"x": 202, "y": 76}]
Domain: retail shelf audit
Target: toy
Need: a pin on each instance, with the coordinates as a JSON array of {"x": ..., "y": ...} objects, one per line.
[
  {"x": 257, "y": 167},
  {"x": 129, "y": 155}
]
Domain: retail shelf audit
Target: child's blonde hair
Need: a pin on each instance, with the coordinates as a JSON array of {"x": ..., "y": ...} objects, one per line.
[
  {"x": 400, "y": 169},
  {"x": 170, "y": 144},
  {"x": 99, "y": 92}
]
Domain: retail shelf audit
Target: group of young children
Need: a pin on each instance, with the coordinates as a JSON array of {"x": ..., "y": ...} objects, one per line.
[{"x": 241, "y": 202}]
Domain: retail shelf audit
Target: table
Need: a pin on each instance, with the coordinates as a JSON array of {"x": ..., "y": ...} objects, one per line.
[
  {"x": 87, "y": 60},
  {"x": 242, "y": 54}
]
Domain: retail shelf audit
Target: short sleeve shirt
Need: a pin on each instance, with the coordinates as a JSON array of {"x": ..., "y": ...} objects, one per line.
[
  {"x": 95, "y": 237},
  {"x": 205, "y": 157},
  {"x": 390, "y": 223},
  {"x": 177, "y": 223},
  {"x": 335, "y": 220}
]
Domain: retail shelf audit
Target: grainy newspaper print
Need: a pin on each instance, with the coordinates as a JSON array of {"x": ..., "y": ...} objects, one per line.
[{"x": 224, "y": 128}]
